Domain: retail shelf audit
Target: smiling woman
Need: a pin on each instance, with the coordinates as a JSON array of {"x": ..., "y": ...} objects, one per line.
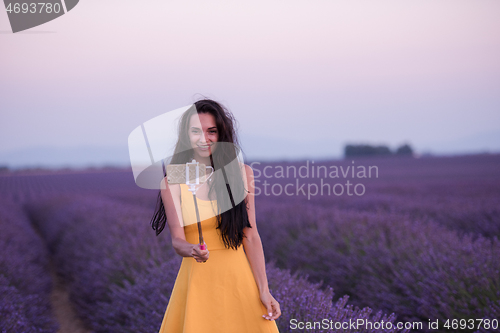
[
  {"x": 221, "y": 286},
  {"x": 203, "y": 136}
]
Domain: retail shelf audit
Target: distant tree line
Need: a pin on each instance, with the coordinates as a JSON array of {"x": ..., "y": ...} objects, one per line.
[{"x": 369, "y": 150}]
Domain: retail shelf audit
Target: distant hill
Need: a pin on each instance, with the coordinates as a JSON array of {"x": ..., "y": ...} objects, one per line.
[
  {"x": 488, "y": 141},
  {"x": 55, "y": 157},
  {"x": 256, "y": 148}
]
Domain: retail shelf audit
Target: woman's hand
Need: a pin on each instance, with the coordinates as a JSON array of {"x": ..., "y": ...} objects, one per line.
[
  {"x": 198, "y": 254},
  {"x": 272, "y": 306}
]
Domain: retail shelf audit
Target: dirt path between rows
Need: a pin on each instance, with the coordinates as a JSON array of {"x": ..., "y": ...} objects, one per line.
[{"x": 62, "y": 307}]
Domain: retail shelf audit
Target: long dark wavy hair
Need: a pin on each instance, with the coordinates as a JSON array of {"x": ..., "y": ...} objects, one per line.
[{"x": 232, "y": 215}]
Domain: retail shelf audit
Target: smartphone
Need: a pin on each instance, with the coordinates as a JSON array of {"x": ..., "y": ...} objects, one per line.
[{"x": 176, "y": 173}]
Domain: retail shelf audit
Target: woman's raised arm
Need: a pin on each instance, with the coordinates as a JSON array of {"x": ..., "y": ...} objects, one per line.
[{"x": 170, "y": 195}]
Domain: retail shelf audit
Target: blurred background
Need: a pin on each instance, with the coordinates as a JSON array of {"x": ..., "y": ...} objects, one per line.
[{"x": 303, "y": 79}]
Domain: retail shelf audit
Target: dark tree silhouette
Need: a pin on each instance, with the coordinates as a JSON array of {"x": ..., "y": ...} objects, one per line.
[
  {"x": 404, "y": 150},
  {"x": 366, "y": 150},
  {"x": 369, "y": 150}
]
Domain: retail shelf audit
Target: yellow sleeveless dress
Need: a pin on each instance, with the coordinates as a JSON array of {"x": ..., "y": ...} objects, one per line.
[{"x": 220, "y": 295}]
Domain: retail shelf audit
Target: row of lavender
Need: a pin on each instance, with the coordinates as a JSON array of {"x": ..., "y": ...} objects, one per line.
[
  {"x": 461, "y": 193},
  {"x": 389, "y": 262},
  {"x": 22, "y": 187},
  {"x": 120, "y": 275},
  {"x": 423, "y": 240},
  {"x": 401, "y": 247},
  {"x": 25, "y": 281}
]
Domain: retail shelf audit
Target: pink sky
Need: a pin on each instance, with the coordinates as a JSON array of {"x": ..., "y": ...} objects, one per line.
[{"x": 426, "y": 72}]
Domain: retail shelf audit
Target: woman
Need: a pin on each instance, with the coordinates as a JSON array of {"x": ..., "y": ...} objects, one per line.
[{"x": 223, "y": 288}]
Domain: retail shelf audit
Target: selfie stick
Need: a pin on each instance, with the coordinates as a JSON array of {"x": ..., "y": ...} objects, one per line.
[{"x": 192, "y": 188}]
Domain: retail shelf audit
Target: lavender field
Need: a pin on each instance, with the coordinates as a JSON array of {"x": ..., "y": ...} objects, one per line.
[{"x": 416, "y": 239}]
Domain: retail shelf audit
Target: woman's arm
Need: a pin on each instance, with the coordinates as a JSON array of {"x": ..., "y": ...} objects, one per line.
[
  {"x": 255, "y": 253},
  {"x": 170, "y": 195}
]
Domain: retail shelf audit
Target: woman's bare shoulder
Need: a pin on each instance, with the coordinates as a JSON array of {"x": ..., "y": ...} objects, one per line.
[
  {"x": 247, "y": 174},
  {"x": 174, "y": 189},
  {"x": 247, "y": 169}
]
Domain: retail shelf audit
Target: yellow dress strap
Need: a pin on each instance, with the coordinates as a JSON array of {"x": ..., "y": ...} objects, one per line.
[{"x": 206, "y": 208}]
